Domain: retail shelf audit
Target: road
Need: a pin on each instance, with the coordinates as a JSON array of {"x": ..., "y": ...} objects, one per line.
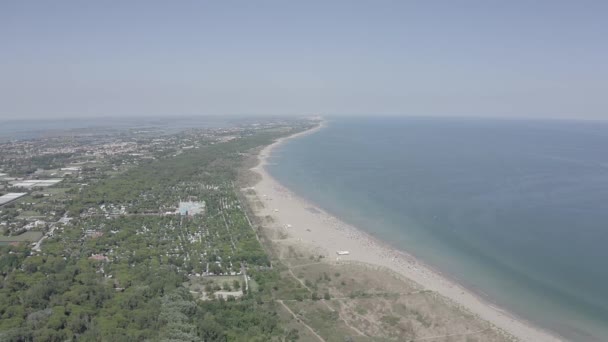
[{"x": 64, "y": 219}]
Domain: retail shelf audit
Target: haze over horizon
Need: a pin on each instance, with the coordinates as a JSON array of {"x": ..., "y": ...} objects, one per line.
[{"x": 157, "y": 58}]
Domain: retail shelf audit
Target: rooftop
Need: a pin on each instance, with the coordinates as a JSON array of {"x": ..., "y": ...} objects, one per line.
[{"x": 11, "y": 197}]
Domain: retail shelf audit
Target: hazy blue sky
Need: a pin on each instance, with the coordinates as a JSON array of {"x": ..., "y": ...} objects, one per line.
[{"x": 494, "y": 58}]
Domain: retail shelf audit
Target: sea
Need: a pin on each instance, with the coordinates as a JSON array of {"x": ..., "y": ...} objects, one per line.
[{"x": 515, "y": 210}]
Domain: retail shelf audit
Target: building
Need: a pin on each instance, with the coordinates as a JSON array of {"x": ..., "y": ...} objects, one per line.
[
  {"x": 11, "y": 197},
  {"x": 191, "y": 208}
]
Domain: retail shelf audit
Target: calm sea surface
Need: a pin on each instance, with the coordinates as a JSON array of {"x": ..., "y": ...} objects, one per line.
[{"x": 515, "y": 210}]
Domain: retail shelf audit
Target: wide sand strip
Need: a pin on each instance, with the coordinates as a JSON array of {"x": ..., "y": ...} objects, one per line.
[{"x": 310, "y": 225}]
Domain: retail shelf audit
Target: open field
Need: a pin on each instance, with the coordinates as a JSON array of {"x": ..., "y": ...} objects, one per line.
[
  {"x": 360, "y": 302},
  {"x": 30, "y": 236}
]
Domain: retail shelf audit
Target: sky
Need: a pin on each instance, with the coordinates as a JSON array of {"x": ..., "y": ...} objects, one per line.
[{"x": 536, "y": 59}]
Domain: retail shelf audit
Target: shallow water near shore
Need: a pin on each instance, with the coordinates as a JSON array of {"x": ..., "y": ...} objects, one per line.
[{"x": 515, "y": 210}]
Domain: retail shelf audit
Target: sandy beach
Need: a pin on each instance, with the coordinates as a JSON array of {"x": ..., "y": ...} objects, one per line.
[{"x": 311, "y": 226}]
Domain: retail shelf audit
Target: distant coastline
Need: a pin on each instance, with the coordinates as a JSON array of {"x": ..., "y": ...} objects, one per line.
[{"x": 337, "y": 235}]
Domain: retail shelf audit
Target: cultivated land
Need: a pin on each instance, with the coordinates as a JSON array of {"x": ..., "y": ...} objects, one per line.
[{"x": 375, "y": 292}]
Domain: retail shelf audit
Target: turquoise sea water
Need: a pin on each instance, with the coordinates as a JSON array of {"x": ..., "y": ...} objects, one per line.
[{"x": 515, "y": 210}]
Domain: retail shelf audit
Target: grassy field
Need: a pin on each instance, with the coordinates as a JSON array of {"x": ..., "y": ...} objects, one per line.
[
  {"x": 361, "y": 302},
  {"x": 55, "y": 191},
  {"x": 253, "y": 286},
  {"x": 31, "y": 236}
]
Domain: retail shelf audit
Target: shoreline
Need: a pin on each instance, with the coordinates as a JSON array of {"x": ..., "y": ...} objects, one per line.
[{"x": 310, "y": 225}]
